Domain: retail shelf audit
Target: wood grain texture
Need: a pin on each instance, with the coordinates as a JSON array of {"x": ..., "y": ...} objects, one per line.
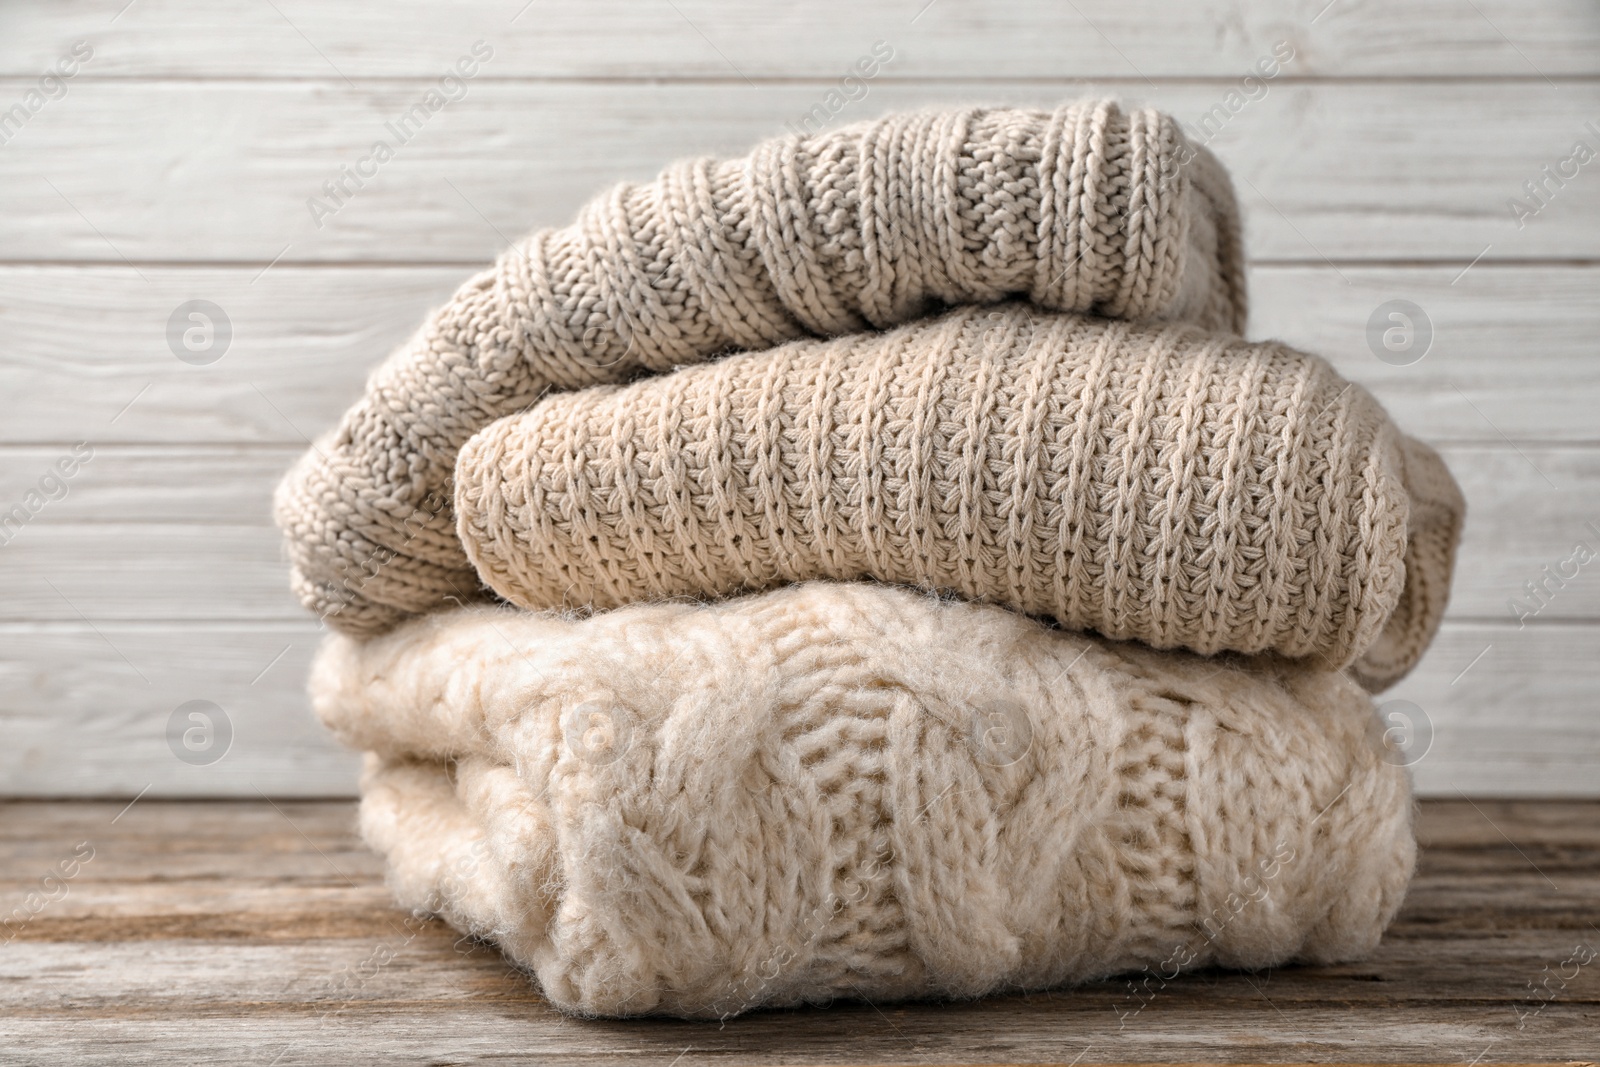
[
  {"x": 178, "y": 164},
  {"x": 86, "y": 711},
  {"x": 156, "y": 171},
  {"x": 252, "y": 932},
  {"x": 1507, "y": 712},
  {"x": 703, "y": 39}
]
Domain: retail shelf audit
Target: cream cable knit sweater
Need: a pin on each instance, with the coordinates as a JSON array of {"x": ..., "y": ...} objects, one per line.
[
  {"x": 1086, "y": 209},
  {"x": 1186, "y": 489},
  {"x": 851, "y": 790}
]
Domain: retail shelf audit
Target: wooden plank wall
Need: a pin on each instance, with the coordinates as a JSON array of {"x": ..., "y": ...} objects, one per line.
[{"x": 177, "y": 162}]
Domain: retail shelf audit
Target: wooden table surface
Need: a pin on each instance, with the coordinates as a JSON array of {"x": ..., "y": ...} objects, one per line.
[{"x": 260, "y": 933}]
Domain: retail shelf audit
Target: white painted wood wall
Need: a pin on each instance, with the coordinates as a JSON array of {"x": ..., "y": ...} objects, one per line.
[{"x": 178, "y": 162}]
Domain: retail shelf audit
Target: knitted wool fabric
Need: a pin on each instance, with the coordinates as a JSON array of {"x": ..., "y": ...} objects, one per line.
[
  {"x": 853, "y": 790},
  {"x": 1182, "y": 488},
  {"x": 1087, "y": 208}
]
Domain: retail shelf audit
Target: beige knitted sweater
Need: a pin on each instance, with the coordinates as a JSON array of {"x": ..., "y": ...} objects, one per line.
[
  {"x": 1183, "y": 488},
  {"x": 1088, "y": 208},
  {"x": 852, "y": 790}
]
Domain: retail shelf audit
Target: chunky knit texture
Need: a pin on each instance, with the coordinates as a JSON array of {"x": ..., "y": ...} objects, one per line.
[
  {"x": 1433, "y": 533},
  {"x": 853, "y": 790},
  {"x": 1183, "y": 488},
  {"x": 1088, "y": 208}
]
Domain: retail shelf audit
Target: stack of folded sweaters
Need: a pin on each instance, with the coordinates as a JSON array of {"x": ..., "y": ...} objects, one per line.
[{"x": 914, "y": 585}]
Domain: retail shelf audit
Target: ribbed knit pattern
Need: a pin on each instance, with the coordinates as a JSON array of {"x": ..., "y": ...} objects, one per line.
[
  {"x": 1088, "y": 208},
  {"x": 1183, "y": 488},
  {"x": 859, "y": 791},
  {"x": 1433, "y": 533}
]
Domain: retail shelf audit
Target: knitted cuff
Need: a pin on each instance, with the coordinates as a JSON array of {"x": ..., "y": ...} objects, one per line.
[
  {"x": 1088, "y": 208},
  {"x": 1433, "y": 531},
  {"x": 852, "y": 790},
  {"x": 1185, "y": 489}
]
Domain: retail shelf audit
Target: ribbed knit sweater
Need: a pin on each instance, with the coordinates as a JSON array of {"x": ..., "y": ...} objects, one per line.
[
  {"x": 1183, "y": 488},
  {"x": 1087, "y": 208}
]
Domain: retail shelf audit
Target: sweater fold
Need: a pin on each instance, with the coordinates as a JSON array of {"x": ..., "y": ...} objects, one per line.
[
  {"x": 858, "y": 791},
  {"x": 1158, "y": 483},
  {"x": 1087, "y": 208}
]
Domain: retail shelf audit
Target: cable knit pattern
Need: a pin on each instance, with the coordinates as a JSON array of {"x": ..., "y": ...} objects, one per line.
[
  {"x": 853, "y": 790},
  {"x": 1088, "y": 208},
  {"x": 1182, "y": 488}
]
